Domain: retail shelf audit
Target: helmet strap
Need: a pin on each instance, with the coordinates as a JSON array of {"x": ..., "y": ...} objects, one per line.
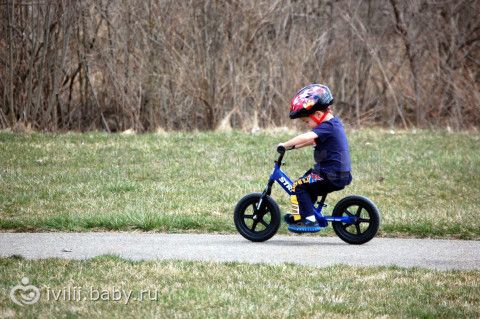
[{"x": 318, "y": 121}]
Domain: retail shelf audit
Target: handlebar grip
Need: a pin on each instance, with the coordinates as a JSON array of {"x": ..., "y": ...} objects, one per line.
[{"x": 281, "y": 149}]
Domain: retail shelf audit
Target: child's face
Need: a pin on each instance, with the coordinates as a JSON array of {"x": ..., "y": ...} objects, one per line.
[{"x": 309, "y": 122}]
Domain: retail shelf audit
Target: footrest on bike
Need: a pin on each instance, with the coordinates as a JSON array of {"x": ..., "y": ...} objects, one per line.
[{"x": 304, "y": 229}]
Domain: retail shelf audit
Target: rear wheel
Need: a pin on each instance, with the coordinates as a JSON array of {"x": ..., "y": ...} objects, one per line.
[
  {"x": 257, "y": 223},
  {"x": 367, "y": 220}
]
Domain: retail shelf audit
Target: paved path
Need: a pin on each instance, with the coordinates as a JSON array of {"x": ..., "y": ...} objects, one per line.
[{"x": 307, "y": 250}]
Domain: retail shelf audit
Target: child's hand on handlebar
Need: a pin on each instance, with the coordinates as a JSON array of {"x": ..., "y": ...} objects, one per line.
[
  {"x": 281, "y": 148},
  {"x": 284, "y": 145}
]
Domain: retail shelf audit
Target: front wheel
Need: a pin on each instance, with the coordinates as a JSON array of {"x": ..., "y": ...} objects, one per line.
[
  {"x": 365, "y": 214},
  {"x": 257, "y": 223}
]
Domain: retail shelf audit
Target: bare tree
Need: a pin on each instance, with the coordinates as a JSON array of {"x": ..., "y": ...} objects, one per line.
[{"x": 181, "y": 65}]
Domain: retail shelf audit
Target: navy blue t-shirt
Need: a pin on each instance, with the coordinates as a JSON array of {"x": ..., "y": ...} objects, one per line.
[{"x": 331, "y": 154}]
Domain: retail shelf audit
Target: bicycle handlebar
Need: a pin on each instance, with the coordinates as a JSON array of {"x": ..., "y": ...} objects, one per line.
[{"x": 281, "y": 150}]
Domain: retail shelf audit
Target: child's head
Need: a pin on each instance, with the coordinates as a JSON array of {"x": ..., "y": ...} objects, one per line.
[{"x": 311, "y": 104}]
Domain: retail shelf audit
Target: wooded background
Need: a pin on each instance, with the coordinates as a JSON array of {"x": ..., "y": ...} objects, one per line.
[{"x": 178, "y": 65}]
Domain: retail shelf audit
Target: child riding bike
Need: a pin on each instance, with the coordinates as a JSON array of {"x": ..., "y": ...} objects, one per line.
[{"x": 331, "y": 171}]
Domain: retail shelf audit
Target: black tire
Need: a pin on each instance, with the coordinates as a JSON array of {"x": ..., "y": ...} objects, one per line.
[
  {"x": 257, "y": 225},
  {"x": 367, "y": 224}
]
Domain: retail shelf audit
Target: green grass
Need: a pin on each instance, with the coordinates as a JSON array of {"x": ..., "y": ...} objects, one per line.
[
  {"x": 180, "y": 289},
  {"x": 424, "y": 183}
]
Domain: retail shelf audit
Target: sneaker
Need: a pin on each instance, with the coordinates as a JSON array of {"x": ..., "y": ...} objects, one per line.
[
  {"x": 304, "y": 226},
  {"x": 292, "y": 218}
]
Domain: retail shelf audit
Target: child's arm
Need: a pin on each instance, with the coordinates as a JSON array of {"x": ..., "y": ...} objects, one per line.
[
  {"x": 300, "y": 140},
  {"x": 305, "y": 144}
]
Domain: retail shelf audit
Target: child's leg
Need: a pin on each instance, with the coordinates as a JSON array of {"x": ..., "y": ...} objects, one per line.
[
  {"x": 294, "y": 215},
  {"x": 307, "y": 189}
]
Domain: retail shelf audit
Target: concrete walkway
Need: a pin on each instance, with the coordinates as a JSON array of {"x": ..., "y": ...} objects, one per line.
[{"x": 307, "y": 250}]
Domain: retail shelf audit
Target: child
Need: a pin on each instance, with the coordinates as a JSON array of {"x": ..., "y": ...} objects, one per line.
[{"x": 332, "y": 158}]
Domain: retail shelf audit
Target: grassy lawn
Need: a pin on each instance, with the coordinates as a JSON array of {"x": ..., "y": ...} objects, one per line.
[
  {"x": 424, "y": 183},
  {"x": 166, "y": 289}
]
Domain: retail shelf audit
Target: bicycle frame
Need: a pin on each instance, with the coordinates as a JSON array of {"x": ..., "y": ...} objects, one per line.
[{"x": 286, "y": 183}]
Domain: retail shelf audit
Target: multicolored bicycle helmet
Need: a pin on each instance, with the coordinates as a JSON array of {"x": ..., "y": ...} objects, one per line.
[{"x": 313, "y": 97}]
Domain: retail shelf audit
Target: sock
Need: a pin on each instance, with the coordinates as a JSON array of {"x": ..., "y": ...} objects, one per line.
[{"x": 311, "y": 218}]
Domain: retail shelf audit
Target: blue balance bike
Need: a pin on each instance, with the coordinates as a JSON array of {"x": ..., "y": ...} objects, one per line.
[{"x": 355, "y": 219}]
